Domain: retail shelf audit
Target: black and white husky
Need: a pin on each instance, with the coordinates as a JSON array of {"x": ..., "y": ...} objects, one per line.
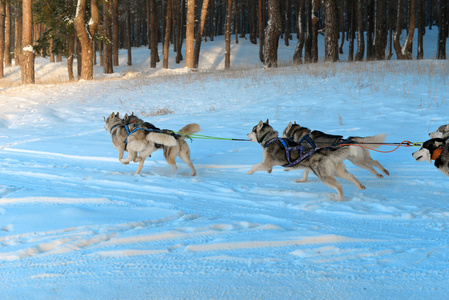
[
  {"x": 325, "y": 163},
  {"x": 437, "y": 150}
]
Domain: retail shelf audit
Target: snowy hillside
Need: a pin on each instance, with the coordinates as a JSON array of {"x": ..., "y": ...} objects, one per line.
[{"x": 75, "y": 223}]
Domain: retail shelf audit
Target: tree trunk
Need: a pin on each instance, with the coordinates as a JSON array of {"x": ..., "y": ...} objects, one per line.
[
  {"x": 297, "y": 56},
  {"x": 8, "y": 31},
  {"x": 70, "y": 49},
  {"x": 2, "y": 36},
  {"x": 180, "y": 31},
  {"x": 442, "y": 30},
  {"x": 27, "y": 57},
  {"x": 370, "y": 54},
  {"x": 211, "y": 20},
  {"x": 167, "y": 33},
  {"x": 360, "y": 32},
  {"x": 128, "y": 36},
  {"x": 199, "y": 38},
  {"x": 18, "y": 35},
  {"x": 261, "y": 32},
  {"x": 85, "y": 32},
  {"x": 331, "y": 33},
  {"x": 397, "y": 33},
  {"x": 408, "y": 44},
  {"x": 153, "y": 34},
  {"x": 190, "y": 34},
  {"x": 342, "y": 27},
  {"x": 421, "y": 28},
  {"x": 391, "y": 14},
  {"x": 309, "y": 33},
  {"x": 115, "y": 31},
  {"x": 107, "y": 46},
  {"x": 272, "y": 33},
  {"x": 228, "y": 36},
  {"x": 381, "y": 37},
  {"x": 288, "y": 14},
  {"x": 351, "y": 28},
  {"x": 315, "y": 6}
]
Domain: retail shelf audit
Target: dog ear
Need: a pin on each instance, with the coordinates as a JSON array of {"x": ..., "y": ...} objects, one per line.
[
  {"x": 112, "y": 116},
  {"x": 126, "y": 116},
  {"x": 289, "y": 125},
  {"x": 295, "y": 122},
  {"x": 117, "y": 114},
  {"x": 260, "y": 125},
  {"x": 267, "y": 122}
]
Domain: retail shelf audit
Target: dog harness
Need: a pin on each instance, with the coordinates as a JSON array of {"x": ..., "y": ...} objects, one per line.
[
  {"x": 437, "y": 153},
  {"x": 298, "y": 146}
]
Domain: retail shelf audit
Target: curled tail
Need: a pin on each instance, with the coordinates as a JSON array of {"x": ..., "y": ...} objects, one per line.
[
  {"x": 373, "y": 142},
  {"x": 189, "y": 129}
]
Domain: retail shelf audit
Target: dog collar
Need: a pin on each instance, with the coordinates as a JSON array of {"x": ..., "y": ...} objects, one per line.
[
  {"x": 114, "y": 127},
  {"x": 436, "y": 153},
  {"x": 263, "y": 137}
]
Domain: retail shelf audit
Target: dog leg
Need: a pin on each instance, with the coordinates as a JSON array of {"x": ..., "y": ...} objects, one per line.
[
  {"x": 121, "y": 151},
  {"x": 332, "y": 183},
  {"x": 139, "y": 168},
  {"x": 170, "y": 154},
  {"x": 185, "y": 156},
  {"x": 304, "y": 178},
  {"x": 365, "y": 165},
  {"x": 263, "y": 166},
  {"x": 126, "y": 161},
  {"x": 341, "y": 172}
]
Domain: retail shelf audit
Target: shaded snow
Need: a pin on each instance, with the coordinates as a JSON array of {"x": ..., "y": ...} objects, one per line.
[{"x": 75, "y": 223}]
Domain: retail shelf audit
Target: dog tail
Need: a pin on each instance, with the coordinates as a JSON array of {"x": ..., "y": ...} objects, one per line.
[
  {"x": 373, "y": 142},
  {"x": 161, "y": 138},
  {"x": 189, "y": 129}
]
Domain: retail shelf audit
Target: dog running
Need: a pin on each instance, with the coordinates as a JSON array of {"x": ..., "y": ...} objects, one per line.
[
  {"x": 141, "y": 139},
  {"x": 359, "y": 156},
  {"x": 325, "y": 163}
]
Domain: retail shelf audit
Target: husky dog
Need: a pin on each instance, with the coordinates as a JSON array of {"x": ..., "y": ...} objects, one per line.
[
  {"x": 177, "y": 146},
  {"x": 435, "y": 149},
  {"x": 359, "y": 156},
  {"x": 325, "y": 163},
  {"x": 441, "y": 133},
  {"x": 135, "y": 142}
]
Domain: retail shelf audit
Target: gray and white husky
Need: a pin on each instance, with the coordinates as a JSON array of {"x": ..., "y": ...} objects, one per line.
[
  {"x": 176, "y": 147},
  {"x": 435, "y": 149},
  {"x": 325, "y": 163},
  {"x": 441, "y": 133},
  {"x": 140, "y": 144},
  {"x": 359, "y": 156}
]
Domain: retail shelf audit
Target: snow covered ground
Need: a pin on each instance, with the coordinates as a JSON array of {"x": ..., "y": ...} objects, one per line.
[{"x": 76, "y": 224}]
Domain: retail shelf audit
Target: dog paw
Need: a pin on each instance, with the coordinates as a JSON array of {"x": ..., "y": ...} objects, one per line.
[
  {"x": 380, "y": 176},
  {"x": 301, "y": 180},
  {"x": 269, "y": 171},
  {"x": 250, "y": 172},
  {"x": 362, "y": 187}
]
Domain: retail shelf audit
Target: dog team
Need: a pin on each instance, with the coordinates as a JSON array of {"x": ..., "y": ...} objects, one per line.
[{"x": 298, "y": 148}]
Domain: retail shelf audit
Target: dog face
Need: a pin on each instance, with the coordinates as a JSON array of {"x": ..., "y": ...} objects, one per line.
[
  {"x": 441, "y": 133},
  {"x": 132, "y": 119},
  {"x": 427, "y": 149},
  {"x": 290, "y": 130},
  {"x": 258, "y": 131},
  {"x": 113, "y": 118}
]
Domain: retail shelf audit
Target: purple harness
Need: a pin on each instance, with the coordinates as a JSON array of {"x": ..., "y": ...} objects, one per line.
[{"x": 299, "y": 147}]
